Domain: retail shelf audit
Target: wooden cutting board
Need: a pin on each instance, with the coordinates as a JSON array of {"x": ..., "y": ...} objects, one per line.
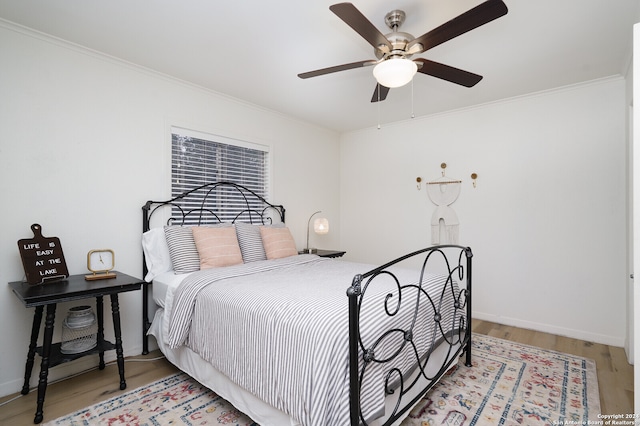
[{"x": 42, "y": 257}]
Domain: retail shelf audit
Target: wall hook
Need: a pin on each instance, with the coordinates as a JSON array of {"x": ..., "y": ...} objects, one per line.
[
  {"x": 419, "y": 184},
  {"x": 474, "y": 176}
]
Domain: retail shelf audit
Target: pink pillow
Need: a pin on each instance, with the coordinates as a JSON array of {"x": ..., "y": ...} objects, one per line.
[
  {"x": 277, "y": 242},
  {"x": 217, "y": 246}
]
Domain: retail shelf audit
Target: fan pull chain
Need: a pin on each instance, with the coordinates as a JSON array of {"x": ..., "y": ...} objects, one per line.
[
  {"x": 378, "y": 105},
  {"x": 412, "y": 111}
]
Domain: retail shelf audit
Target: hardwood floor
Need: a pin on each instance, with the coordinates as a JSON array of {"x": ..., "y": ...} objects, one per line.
[
  {"x": 615, "y": 377},
  {"x": 72, "y": 394}
]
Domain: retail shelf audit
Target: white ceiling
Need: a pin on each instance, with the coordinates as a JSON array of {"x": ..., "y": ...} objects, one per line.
[{"x": 253, "y": 50}]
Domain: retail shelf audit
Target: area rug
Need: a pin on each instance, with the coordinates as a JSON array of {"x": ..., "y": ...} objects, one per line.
[
  {"x": 174, "y": 400},
  {"x": 509, "y": 384},
  {"x": 512, "y": 384}
]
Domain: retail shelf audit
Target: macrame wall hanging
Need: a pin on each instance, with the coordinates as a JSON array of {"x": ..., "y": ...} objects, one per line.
[{"x": 443, "y": 192}]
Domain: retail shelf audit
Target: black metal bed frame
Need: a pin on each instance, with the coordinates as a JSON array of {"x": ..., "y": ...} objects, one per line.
[
  {"x": 457, "y": 336},
  {"x": 254, "y": 210}
]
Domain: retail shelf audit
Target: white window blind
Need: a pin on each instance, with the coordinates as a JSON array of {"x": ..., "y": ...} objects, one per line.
[{"x": 200, "y": 158}]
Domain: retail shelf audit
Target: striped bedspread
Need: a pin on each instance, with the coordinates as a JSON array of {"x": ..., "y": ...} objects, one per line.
[{"x": 279, "y": 329}]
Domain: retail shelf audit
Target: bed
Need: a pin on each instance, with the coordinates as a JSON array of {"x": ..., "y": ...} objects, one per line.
[{"x": 297, "y": 339}]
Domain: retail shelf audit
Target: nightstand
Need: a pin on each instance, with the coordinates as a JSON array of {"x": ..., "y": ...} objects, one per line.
[
  {"x": 329, "y": 253},
  {"x": 72, "y": 288}
]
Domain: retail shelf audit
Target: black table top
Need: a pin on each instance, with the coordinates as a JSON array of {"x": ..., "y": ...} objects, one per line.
[{"x": 74, "y": 287}]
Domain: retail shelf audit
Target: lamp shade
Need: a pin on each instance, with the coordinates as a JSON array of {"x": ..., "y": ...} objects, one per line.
[
  {"x": 395, "y": 72},
  {"x": 321, "y": 225}
]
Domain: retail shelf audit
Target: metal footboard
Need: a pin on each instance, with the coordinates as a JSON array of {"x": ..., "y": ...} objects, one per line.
[{"x": 436, "y": 320}]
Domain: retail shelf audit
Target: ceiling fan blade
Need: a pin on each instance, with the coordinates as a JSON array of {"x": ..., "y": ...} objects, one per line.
[
  {"x": 471, "y": 19},
  {"x": 380, "y": 93},
  {"x": 356, "y": 20},
  {"x": 336, "y": 68},
  {"x": 449, "y": 73}
]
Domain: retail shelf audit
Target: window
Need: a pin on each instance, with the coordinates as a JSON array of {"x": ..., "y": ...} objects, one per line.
[{"x": 199, "y": 158}]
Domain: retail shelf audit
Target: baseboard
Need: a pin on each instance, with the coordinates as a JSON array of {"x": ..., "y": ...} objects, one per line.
[{"x": 552, "y": 329}]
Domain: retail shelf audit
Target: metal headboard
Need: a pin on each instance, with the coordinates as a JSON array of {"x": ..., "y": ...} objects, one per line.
[{"x": 195, "y": 207}]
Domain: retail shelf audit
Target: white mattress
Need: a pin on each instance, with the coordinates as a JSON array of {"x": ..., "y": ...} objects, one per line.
[{"x": 165, "y": 283}]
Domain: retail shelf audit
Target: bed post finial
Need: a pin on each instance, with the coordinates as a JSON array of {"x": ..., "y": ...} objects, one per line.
[{"x": 356, "y": 287}]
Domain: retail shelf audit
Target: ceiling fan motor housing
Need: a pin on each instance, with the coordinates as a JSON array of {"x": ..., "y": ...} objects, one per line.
[{"x": 398, "y": 39}]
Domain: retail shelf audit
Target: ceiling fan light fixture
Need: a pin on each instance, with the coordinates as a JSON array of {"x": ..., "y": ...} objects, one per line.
[{"x": 395, "y": 72}]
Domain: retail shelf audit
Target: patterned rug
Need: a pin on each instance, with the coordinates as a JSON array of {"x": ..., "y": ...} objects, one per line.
[
  {"x": 508, "y": 384},
  {"x": 174, "y": 400},
  {"x": 512, "y": 384}
]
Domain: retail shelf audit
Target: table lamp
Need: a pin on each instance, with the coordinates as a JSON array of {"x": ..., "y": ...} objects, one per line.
[{"x": 320, "y": 226}]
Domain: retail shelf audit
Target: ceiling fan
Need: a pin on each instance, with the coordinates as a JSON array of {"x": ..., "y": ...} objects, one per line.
[{"x": 393, "y": 66}]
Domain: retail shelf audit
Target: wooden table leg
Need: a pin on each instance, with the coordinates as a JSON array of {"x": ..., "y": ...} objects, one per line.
[
  {"x": 115, "y": 311},
  {"x": 100, "y": 337},
  {"x": 31, "y": 353},
  {"x": 44, "y": 366}
]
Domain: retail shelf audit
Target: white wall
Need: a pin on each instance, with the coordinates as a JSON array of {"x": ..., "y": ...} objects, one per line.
[
  {"x": 547, "y": 221},
  {"x": 84, "y": 143}
]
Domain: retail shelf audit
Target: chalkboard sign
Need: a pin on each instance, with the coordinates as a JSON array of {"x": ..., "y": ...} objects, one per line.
[{"x": 42, "y": 257}]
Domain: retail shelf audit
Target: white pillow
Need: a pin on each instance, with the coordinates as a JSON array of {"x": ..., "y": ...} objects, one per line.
[{"x": 156, "y": 253}]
